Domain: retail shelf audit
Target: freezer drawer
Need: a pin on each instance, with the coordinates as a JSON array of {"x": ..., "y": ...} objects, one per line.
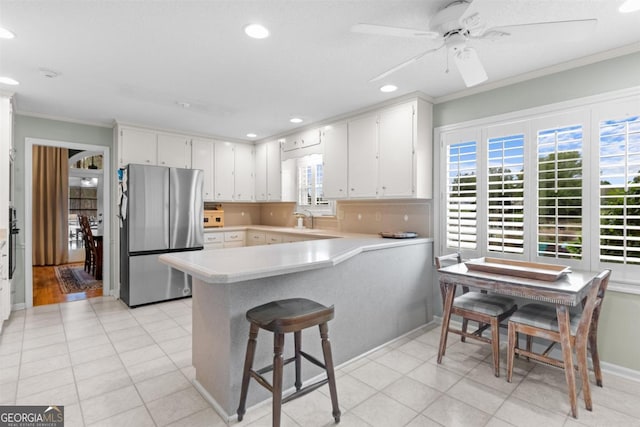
[{"x": 152, "y": 281}]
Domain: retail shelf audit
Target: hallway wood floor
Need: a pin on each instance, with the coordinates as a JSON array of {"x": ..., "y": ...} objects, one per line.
[{"x": 46, "y": 289}]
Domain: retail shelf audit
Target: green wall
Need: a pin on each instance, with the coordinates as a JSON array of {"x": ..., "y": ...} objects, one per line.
[
  {"x": 614, "y": 74},
  {"x": 34, "y": 127},
  {"x": 618, "y": 335}
]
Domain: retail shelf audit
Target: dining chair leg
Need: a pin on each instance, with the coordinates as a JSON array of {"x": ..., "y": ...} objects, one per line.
[
  {"x": 495, "y": 345},
  {"x": 595, "y": 358},
  {"x": 465, "y": 323},
  {"x": 529, "y": 344},
  {"x": 562, "y": 314},
  {"x": 446, "y": 318},
  {"x": 583, "y": 368},
  {"x": 512, "y": 337}
]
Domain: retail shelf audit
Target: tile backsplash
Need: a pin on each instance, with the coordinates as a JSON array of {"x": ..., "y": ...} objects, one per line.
[{"x": 351, "y": 216}]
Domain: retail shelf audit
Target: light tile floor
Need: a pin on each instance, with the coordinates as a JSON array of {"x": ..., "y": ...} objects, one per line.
[{"x": 113, "y": 366}]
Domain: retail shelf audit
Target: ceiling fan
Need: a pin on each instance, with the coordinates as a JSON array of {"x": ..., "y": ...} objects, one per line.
[{"x": 461, "y": 23}]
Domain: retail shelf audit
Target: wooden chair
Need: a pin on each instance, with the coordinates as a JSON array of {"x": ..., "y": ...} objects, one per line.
[
  {"x": 539, "y": 320},
  {"x": 489, "y": 310},
  {"x": 91, "y": 254}
]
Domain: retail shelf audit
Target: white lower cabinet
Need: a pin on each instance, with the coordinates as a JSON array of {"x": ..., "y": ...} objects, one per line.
[
  {"x": 256, "y": 238},
  {"x": 234, "y": 239},
  {"x": 213, "y": 240},
  {"x": 273, "y": 238}
]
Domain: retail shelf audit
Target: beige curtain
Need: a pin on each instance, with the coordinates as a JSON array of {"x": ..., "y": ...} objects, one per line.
[{"x": 50, "y": 205}]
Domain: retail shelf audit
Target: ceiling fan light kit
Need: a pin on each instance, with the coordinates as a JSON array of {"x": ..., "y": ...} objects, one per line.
[{"x": 461, "y": 24}]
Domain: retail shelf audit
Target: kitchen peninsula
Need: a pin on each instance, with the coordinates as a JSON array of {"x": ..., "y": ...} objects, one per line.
[{"x": 380, "y": 289}]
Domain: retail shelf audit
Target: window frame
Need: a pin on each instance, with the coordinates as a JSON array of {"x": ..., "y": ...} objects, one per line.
[{"x": 591, "y": 111}]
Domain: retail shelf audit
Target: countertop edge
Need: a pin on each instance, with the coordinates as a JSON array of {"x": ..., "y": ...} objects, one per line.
[{"x": 208, "y": 273}]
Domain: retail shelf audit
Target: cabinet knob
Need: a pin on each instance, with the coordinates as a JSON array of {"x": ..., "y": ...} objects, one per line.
[
  {"x": 148, "y": 161},
  {"x": 353, "y": 189}
]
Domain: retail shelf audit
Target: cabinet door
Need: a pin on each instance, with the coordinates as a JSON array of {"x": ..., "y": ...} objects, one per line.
[
  {"x": 334, "y": 140},
  {"x": 274, "y": 174},
  {"x": 396, "y": 145},
  {"x": 202, "y": 158},
  {"x": 173, "y": 151},
  {"x": 363, "y": 159},
  {"x": 223, "y": 171},
  {"x": 261, "y": 177},
  {"x": 138, "y": 146},
  {"x": 256, "y": 238},
  {"x": 244, "y": 166}
]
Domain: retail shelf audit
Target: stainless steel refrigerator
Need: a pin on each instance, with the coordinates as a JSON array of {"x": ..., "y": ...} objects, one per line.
[{"x": 161, "y": 211}]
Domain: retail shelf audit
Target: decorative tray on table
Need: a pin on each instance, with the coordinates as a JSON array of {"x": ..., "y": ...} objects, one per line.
[{"x": 529, "y": 270}]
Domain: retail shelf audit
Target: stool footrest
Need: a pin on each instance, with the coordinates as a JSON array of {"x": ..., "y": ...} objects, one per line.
[
  {"x": 313, "y": 360},
  {"x": 305, "y": 390},
  {"x": 270, "y": 367},
  {"x": 261, "y": 380}
]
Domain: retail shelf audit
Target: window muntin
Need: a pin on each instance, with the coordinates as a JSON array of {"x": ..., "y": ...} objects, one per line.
[
  {"x": 505, "y": 199},
  {"x": 560, "y": 159},
  {"x": 619, "y": 209},
  {"x": 462, "y": 185},
  {"x": 310, "y": 174}
]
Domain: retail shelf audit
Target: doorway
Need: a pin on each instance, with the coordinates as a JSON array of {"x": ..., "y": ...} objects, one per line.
[{"x": 97, "y": 201}]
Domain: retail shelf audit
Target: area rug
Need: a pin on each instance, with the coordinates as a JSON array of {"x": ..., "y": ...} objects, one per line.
[{"x": 72, "y": 278}]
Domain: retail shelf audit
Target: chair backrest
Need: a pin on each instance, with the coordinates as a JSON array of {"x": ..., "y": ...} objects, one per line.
[
  {"x": 447, "y": 260},
  {"x": 593, "y": 302}
]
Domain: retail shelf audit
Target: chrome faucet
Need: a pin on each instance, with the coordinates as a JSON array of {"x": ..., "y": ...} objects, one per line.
[{"x": 310, "y": 216}]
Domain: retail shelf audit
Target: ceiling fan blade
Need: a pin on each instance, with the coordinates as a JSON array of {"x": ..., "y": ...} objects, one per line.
[
  {"x": 573, "y": 30},
  {"x": 470, "y": 67},
  {"x": 403, "y": 64},
  {"x": 385, "y": 30}
]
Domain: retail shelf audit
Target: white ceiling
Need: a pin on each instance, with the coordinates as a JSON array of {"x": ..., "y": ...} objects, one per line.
[{"x": 134, "y": 61}]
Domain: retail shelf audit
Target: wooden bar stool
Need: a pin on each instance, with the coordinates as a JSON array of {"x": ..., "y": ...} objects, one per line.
[{"x": 281, "y": 317}]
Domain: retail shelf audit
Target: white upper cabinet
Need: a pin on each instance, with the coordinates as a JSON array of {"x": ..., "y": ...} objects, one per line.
[
  {"x": 363, "y": 157},
  {"x": 202, "y": 158},
  {"x": 148, "y": 147},
  {"x": 304, "y": 139},
  {"x": 396, "y": 163},
  {"x": 261, "y": 172},
  {"x": 223, "y": 171},
  {"x": 274, "y": 172},
  {"x": 243, "y": 173},
  {"x": 138, "y": 146},
  {"x": 174, "y": 151},
  {"x": 334, "y": 141},
  {"x": 268, "y": 171}
]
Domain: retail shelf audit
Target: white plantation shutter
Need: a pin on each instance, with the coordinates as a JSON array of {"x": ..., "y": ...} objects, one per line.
[
  {"x": 560, "y": 159},
  {"x": 505, "y": 199},
  {"x": 620, "y": 190},
  {"x": 461, "y": 197}
]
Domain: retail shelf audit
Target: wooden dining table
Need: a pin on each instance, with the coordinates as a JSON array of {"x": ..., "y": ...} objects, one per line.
[{"x": 565, "y": 292}]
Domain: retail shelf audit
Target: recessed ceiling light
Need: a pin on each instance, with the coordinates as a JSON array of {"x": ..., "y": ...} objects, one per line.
[
  {"x": 295, "y": 120},
  {"x": 251, "y": 135},
  {"x": 629, "y": 6},
  {"x": 6, "y": 34},
  {"x": 8, "y": 81},
  {"x": 388, "y": 88},
  {"x": 256, "y": 31},
  {"x": 183, "y": 104}
]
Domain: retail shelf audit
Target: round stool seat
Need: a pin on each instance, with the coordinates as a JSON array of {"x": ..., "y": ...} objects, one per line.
[{"x": 289, "y": 315}]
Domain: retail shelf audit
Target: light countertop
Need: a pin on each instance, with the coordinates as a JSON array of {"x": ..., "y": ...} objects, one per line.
[{"x": 232, "y": 265}]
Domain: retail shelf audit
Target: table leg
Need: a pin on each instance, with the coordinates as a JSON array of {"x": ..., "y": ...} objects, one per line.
[
  {"x": 567, "y": 355},
  {"x": 450, "y": 290}
]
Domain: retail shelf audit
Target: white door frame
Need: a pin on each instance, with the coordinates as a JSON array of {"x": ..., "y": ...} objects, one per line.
[{"x": 28, "y": 216}]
